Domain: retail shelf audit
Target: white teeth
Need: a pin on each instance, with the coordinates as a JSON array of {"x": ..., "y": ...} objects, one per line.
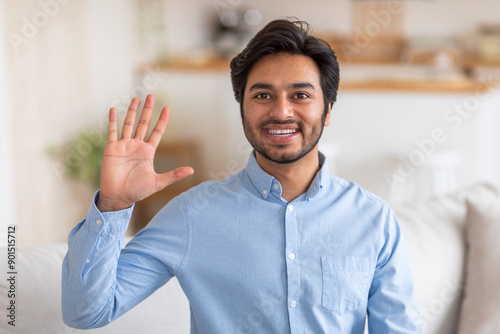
[{"x": 282, "y": 133}]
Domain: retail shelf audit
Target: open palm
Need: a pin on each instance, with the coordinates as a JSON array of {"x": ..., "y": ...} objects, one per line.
[{"x": 127, "y": 172}]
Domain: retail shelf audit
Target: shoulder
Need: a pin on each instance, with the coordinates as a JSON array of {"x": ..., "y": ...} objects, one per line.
[
  {"x": 357, "y": 195},
  {"x": 210, "y": 191},
  {"x": 208, "y": 186}
]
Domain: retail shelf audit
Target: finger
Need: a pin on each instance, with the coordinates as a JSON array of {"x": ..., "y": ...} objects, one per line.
[
  {"x": 128, "y": 124},
  {"x": 159, "y": 129},
  {"x": 175, "y": 175},
  {"x": 145, "y": 120},
  {"x": 112, "y": 126}
]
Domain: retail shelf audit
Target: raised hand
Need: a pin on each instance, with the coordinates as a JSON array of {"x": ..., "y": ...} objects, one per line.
[{"x": 127, "y": 172}]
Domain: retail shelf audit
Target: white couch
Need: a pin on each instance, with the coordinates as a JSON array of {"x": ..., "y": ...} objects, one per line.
[{"x": 453, "y": 249}]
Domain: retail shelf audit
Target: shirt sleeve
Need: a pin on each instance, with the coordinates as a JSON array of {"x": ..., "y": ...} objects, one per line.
[
  {"x": 392, "y": 306},
  {"x": 101, "y": 281}
]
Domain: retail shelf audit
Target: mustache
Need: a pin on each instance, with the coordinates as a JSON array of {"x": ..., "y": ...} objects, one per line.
[{"x": 279, "y": 122}]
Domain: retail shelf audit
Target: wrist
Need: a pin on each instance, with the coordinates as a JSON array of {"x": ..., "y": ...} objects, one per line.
[{"x": 108, "y": 205}]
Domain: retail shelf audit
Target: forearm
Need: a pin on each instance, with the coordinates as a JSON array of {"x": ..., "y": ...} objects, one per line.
[
  {"x": 90, "y": 266},
  {"x": 101, "y": 281}
]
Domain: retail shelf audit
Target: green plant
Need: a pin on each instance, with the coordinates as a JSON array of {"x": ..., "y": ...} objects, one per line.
[{"x": 81, "y": 157}]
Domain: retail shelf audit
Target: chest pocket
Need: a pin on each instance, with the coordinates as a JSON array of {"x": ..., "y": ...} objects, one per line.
[{"x": 346, "y": 282}]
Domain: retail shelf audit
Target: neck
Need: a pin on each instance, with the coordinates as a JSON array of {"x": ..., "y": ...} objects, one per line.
[{"x": 295, "y": 178}]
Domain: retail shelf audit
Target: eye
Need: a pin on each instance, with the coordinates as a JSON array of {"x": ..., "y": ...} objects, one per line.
[
  {"x": 263, "y": 96},
  {"x": 300, "y": 96}
]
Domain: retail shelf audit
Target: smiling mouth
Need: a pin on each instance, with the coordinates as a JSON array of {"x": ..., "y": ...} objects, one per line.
[{"x": 282, "y": 133}]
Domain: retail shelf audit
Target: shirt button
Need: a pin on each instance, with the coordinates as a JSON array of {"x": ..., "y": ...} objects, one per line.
[
  {"x": 290, "y": 207},
  {"x": 291, "y": 255},
  {"x": 88, "y": 261},
  {"x": 276, "y": 186},
  {"x": 293, "y": 303},
  {"x": 264, "y": 192},
  {"x": 98, "y": 222}
]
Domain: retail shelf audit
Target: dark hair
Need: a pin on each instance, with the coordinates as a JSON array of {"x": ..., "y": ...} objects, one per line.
[{"x": 290, "y": 37}]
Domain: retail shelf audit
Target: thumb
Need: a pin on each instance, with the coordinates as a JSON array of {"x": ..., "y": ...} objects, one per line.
[{"x": 166, "y": 179}]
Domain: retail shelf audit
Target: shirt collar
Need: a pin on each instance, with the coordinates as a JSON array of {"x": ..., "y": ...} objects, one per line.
[
  {"x": 265, "y": 183},
  {"x": 321, "y": 179},
  {"x": 261, "y": 180}
]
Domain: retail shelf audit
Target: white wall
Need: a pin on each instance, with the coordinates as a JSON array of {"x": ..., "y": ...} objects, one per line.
[
  {"x": 449, "y": 17},
  {"x": 188, "y": 23},
  {"x": 383, "y": 136},
  {"x": 110, "y": 53},
  {"x": 7, "y": 191},
  {"x": 78, "y": 62}
]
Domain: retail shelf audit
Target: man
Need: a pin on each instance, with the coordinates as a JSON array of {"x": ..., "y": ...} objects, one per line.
[{"x": 283, "y": 238}]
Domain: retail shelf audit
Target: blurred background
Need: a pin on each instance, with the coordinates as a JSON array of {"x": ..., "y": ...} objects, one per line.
[{"x": 418, "y": 109}]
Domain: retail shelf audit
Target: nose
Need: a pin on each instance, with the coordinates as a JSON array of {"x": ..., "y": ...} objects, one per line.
[{"x": 281, "y": 108}]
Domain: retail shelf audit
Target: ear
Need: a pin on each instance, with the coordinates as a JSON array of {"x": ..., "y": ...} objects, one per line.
[
  {"x": 327, "y": 118},
  {"x": 241, "y": 112}
]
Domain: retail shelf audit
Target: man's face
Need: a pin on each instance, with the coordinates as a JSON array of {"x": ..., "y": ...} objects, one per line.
[{"x": 283, "y": 107}]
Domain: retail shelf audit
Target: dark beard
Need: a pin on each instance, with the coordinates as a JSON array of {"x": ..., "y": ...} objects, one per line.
[{"x": 285, "y": 159}]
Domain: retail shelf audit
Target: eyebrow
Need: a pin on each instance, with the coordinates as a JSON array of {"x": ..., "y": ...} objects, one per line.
[
  {"x": 261, "y": 85},
  {"x": 296, "y": 85},
  {"x": 301, "y": 85}
]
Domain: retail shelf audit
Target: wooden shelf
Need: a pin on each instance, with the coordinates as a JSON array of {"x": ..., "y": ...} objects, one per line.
[
  {"x": 459, "y": 85},
  {"x": 201, "y": 65},
  {"x": 455, "y": 86}
]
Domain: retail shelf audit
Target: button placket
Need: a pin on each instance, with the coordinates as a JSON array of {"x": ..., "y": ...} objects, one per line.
[{"x": 291, "y": 246}]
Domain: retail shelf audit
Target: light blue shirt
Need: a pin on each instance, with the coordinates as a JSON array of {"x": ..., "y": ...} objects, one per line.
[{"x": 249, "y": 261}]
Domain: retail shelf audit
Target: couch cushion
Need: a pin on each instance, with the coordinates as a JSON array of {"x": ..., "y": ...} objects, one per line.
[
  {"x": 38, "y": 300},
  {"x": 481, "y": 305},
  {"x": 434, "y": 233}
]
